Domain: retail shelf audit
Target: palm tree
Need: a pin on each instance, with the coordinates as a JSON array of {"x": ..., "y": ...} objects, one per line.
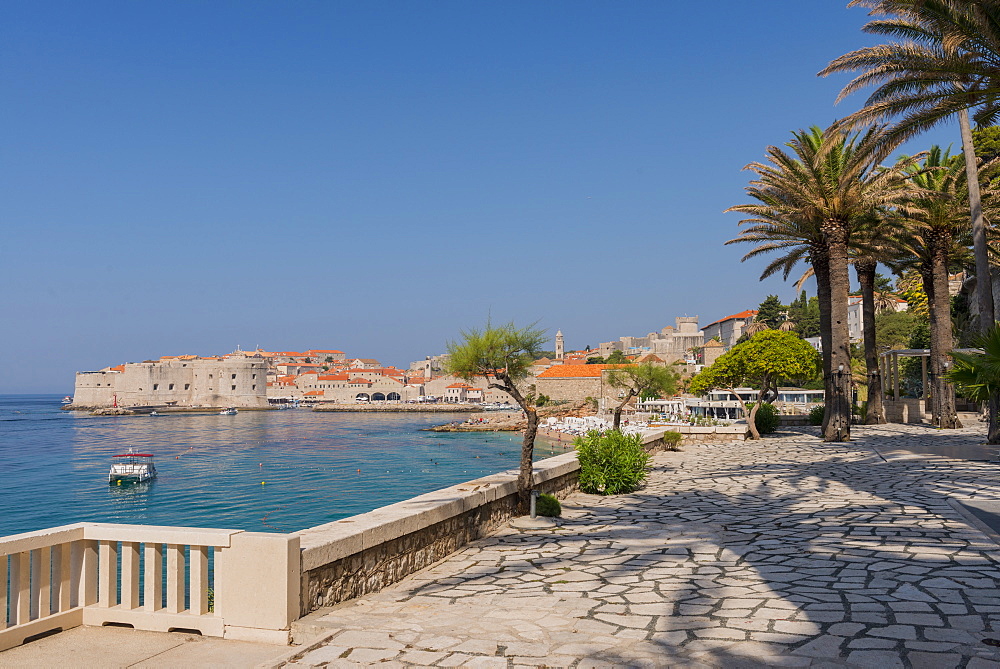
[
  {"x": 934, "y": 219},
  {"x": 946, "y": 61},
  {"x": 978, "y": 374},
  {"x": 808, "y": 203}
]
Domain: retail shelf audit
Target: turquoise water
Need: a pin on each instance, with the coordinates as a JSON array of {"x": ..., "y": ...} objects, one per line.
[{"x": 263, "y": 471}]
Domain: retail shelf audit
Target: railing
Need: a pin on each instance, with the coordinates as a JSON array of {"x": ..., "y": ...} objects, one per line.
[{"x": 151, "y": 578}]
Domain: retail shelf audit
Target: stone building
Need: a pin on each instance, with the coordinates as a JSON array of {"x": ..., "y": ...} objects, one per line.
[
  {"x": 238, "y": 380},
  {"x": 672, "y": 343},
  {"x": 730, "y": 328},
  {"x": 711, "y": 351},
  {"x": 574, "y": 382}
]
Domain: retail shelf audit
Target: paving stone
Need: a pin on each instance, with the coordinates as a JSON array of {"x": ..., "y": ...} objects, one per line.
[
  {"x": 723, "y": 557},
  {"x": 922, "y": 660}
]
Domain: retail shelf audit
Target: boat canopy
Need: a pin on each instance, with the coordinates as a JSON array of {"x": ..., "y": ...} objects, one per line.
[{"x": 134, "y": 455}]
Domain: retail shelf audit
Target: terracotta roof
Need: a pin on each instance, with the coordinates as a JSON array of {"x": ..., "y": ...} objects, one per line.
[
  {"x": 714, "y": 343},
  {"x": 360, "y": 380},
  {"x": 749, "y": 313},
  {"x": 576, "y": 371},
  {"x": 652, "y": 357},
  {"x": 313, "y": 392},
  {"x": 334, "y": 377},
  {"x": 322, "y": 350}
]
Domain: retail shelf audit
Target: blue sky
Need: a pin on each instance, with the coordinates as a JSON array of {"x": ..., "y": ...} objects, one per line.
[{"x": 186, "y": 177}]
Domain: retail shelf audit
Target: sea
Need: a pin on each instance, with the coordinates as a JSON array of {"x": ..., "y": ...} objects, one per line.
[{"x": 261, "y": 471}]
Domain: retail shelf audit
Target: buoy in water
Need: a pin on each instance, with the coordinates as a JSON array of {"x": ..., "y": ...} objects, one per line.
[
  {"x": 262, "y": 482},
  {"x": 359, "y": 471},
  {"x": 119, "y": 481}
]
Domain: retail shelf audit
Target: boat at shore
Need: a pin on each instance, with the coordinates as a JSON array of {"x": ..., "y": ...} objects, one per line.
[
  {"x": 68, "y": 399},
  {"x": 230, "y": 411},
  {"x": 132, "y": 467}
]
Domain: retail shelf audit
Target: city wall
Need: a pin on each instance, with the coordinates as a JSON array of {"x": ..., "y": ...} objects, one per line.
[{"x": 236, "y": 382}]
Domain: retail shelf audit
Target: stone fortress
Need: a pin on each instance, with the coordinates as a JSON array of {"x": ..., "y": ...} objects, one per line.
[
  {"x": 233, "y": 381},
  {"x": 670, "y": 344}
]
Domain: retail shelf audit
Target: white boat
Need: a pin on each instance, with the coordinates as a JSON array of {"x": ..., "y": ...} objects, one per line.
[
  {"x": 231, "y": 411},
  {"x": 67, "y": 400},
  {"x": 132, "y": 467}
]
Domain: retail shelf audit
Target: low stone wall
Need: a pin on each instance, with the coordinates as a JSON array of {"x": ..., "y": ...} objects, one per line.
[
  {"x": 400, "y": 408},
  {"x": 365, "y": 553},
  {"x": 690, "y": 434},
  {"x": 904, "y": 410}
]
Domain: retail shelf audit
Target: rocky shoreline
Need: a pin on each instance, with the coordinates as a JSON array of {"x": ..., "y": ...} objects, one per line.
[{"x": 513, "y": 421}]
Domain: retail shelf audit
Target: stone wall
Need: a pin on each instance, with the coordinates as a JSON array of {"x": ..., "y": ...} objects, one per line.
[
  {"x": 236, "y": 381},
  {"x": 365, "y": 553},
  {"x": 722, "y": 434},
  {"x": 904, "y": 410},
  {"x": 572, "y": 389}
]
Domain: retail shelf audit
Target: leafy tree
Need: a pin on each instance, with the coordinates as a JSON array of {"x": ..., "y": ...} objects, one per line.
[
  {"x": 893, "y": 329},
  {"x": 617, "y": 358},
  {"x": 503, "y": 355},
  {"x": 640, "y": 380},
  {"x": 766, "y": 360},
  {"x": 771, "y": 312},
  {"x": 911, "y": 289},
  {"x": 595, "y": 360},
  {"x": 804, "y": 312},
  {"x": 328, "y": 358}
]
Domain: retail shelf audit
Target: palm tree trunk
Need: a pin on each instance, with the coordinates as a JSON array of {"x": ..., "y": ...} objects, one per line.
[
  {"x": 927, "y": 276},
  {"x": 839, "y": 426},
  {"x": 821, "y": 268},
  {"x": 866, "y": 278},
  {"x": 941, "y": 337},
  {"x": 984, "y": 283},
  {"x": 984, "y": 279}
]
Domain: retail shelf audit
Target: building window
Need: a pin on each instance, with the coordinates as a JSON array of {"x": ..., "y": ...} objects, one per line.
[
  {"x": 156, "y": 386},
  {"x": 255, "y": 376},
  {"x": 187, "y": 386},
  {"x": 170, "y": 387},
  {"x": 209, "y": 376},
  {"x": 253, "y": 387},
  {"x": 234, "y": 376},
  {"x": 234, "y": 387}
]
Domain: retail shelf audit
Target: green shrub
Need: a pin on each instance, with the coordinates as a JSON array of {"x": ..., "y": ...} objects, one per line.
[
  {"x": 611, "y": 463},
  {"x": 816, "y": 414},
  {"x": 766, "y": 418},
  {"x": 548, "y": 505},
  {"x": 672, "y": 440}
]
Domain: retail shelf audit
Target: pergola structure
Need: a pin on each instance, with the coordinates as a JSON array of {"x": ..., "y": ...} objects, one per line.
[{"x": 889, "y": 366}]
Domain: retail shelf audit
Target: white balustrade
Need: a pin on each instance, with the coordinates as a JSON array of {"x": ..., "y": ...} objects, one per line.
[{"x": 100, "y": 574}]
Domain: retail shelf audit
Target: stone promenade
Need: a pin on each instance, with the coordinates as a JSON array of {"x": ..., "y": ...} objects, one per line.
[{"x": 782, "y": 553}]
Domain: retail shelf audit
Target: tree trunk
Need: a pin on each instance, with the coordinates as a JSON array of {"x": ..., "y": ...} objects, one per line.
[
  {"x": 839, "y": 426},
  {"x": 618, "y": 413},
  {"x": 875, "y": 415},
  {"x": 525, "y": 480},
  {"x": 984, "y": 280},
  {"x": 941, "y": 337},
  {"x": 927, "y": 276},
  {"x": 749, "y": 413},
  {"x": 821, "y": 268}
]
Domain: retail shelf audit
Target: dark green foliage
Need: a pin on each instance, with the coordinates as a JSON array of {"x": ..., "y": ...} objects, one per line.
[
  {"x": 548, "y": 505},
  {"x": 816, "y": 414},
  {"x": 804, "y": 312},
  {"x": 977, "y": 375},
  {"x": 893, "y": 329},
  {"x": 595, "y": 360},
  {"x": 541, "y": 400},
  {"x": 766, "y": 419},
  {"x": 910, "y": 373},
  {"x": 617, "y": 358},
  {"x": 611, "y": 463},
  {"x": 771, "y": 311},
  {"x": 672, "y": 440}
]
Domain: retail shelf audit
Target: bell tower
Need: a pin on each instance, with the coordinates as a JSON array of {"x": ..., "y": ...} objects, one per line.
[{"x": 559, "y": 345}]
